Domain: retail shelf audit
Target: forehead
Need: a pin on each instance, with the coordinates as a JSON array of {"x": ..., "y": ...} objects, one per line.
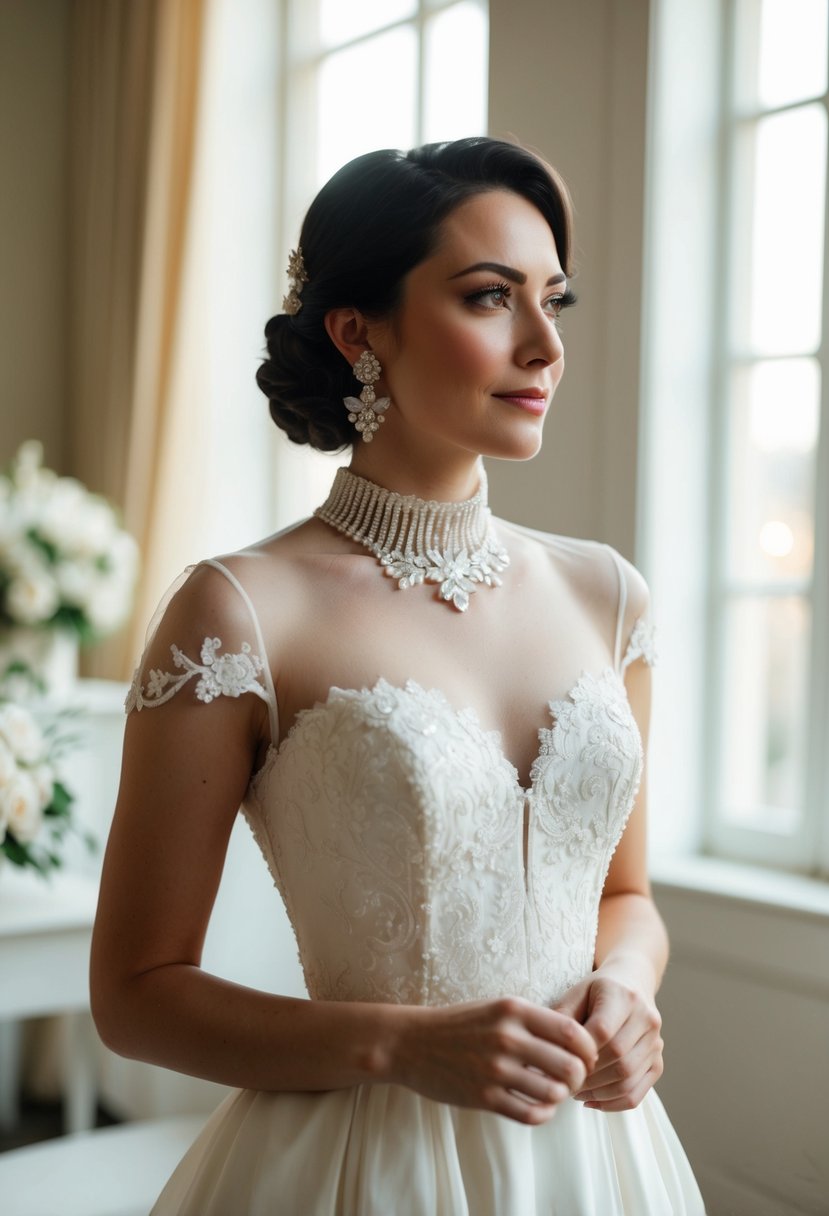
[{"x": 497, "y": 226}]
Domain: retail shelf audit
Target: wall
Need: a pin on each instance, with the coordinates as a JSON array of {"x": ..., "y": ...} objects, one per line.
[
  {"x": 570, "y": 81},
  {"x": 33, "y": 100}
]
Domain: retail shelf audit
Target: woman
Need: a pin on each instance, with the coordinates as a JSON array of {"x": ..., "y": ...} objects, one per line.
[{"x": 467, "y": 885}]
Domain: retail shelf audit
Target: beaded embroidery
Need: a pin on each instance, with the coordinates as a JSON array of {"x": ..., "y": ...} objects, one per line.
[{"x": 220, "y": 675}]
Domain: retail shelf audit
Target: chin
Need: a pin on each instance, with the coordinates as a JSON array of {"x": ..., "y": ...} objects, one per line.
[{"x": 516, "y": 446}]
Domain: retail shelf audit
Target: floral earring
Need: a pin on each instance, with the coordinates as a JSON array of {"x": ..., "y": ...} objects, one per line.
[{"x": 366, "y": 411}]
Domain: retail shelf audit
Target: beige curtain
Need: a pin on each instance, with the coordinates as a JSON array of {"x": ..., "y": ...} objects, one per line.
[{"x": 135, "y": 85}]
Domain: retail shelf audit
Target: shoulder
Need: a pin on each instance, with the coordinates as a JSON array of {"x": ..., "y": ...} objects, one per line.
[{"x": 594, "y": 566}]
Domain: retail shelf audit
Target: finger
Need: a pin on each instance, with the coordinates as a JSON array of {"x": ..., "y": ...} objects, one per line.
[
  {"x": 503, "y": 1102},
  {"x": 609, "y": 1013},
  {"x": 535, "y": 1085},
  {"x": 640, "y": 1019},
  {"x": 554, "y": 1063},
  {"x": 631, "y": 1099},
  {"x": 563, "y": 1031},
  {"x": 575, "y": 1001},
  {"x": 619, "y": 1063}
]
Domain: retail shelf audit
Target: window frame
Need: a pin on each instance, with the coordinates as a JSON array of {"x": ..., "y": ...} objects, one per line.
[{"x": 806, "y": 849}]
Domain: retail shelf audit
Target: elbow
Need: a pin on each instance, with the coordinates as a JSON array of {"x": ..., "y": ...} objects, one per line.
[{"x": 107, "y": 1014}]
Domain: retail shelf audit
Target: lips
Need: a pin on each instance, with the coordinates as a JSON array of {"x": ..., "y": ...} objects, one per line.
[{"x": 534, "y": 400}]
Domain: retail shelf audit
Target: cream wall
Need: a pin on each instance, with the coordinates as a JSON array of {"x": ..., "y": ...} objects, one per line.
[
  {"x": 33, "y": 102},
  {"x": 570, "y": 80}
]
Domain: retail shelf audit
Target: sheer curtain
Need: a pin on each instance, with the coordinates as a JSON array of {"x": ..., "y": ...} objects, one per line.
[
  {"x": 135, "y": 81},
  {"x": 171, "y": 223}
]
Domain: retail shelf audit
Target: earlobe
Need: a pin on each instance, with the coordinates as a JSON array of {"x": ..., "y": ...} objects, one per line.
[{"x": 347, "y": 329}]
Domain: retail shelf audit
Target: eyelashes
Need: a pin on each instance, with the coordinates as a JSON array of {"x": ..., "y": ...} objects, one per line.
[{"x": 565, "y": 300}]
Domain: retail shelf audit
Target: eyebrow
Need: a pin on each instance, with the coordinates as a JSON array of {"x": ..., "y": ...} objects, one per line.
[{"x": 509, "y": 272}]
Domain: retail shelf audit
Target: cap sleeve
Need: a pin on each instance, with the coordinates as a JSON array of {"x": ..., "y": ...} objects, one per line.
[
  {"x": 204, "y": 642},
  {"x": 635, "y": 627}
]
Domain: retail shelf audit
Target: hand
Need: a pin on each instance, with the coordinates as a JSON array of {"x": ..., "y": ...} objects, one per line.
[
  {"x": 507, "y": 1055},
  {"x": 624, "y": 1024}
]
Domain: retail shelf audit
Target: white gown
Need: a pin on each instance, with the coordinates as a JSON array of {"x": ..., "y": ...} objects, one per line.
[{"x": 416, "y": 869}]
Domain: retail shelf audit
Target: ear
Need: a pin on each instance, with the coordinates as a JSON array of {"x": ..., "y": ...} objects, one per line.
[{"x": 347, "y": 329}]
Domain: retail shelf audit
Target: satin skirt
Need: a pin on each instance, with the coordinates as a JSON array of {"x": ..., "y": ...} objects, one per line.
[{"x": 376, "y": 1149}]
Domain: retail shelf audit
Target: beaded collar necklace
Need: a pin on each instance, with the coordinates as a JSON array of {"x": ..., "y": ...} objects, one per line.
[{"x": 416, "y": 540}]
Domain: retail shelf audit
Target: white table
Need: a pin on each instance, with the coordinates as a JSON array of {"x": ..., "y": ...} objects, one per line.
[{"x": 45, "y": 935}]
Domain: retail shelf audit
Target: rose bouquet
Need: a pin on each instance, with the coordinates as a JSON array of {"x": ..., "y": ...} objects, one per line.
[
  {"x": 35, "y": 806},
  {"x": 64, "y": 561}
]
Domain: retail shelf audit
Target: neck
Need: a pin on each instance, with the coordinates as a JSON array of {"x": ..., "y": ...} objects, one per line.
[
  {"x": 453, "y": 479},
  {"x": 444, "y": 541}
]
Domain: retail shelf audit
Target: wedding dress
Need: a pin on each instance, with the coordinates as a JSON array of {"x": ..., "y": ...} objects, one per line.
[{"x": 416, "y": 868}]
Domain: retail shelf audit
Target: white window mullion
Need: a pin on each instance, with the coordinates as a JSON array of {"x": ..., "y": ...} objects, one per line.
[
  {"x": 721, "y": 311},
  {"x": 817, "y": 783}
]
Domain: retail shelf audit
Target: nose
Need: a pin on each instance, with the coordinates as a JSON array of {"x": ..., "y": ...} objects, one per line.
[{"x": 539, "y": 342}]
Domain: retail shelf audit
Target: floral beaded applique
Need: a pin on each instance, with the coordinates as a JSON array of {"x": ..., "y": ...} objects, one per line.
[
  {"x": 642, "y": 643},
  {"x": 220, "y": 675}
]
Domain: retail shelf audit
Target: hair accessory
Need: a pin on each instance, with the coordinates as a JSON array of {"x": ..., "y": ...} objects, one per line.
[
  {"x": 297, "y": 278},
  {"x": 415, "y": 540},
  {"x": 366, "y": 411}
]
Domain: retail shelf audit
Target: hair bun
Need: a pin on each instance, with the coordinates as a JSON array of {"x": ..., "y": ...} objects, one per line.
[{"x": 304, "y": 388}]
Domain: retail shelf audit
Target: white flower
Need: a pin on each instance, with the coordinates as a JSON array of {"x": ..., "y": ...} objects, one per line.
[
  {"x": 8, "y": 764},
  {"x": 21, "y": 733},
  {"x": 107, "y": 604},
  {"x": 60, "y": 513},
  {"x": 32, "y": 597},
  {"x": 122, "y": 556},
  {"x": 96, "y": 528},
  {"x": 73, "y": 579},
  {"x": 20, "y": 807}
]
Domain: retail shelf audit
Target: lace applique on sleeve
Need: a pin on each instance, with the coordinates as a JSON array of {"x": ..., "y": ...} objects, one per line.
[
  {"x": 642, "y": 644},
  {"x": 220, "y": 675}
]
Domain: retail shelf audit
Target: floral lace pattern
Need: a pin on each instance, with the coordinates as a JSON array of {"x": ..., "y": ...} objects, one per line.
[
  {"x": 416, "y": 868},
  {"x": 219, "y": 675},
  {"x": 642, "y": 643}
]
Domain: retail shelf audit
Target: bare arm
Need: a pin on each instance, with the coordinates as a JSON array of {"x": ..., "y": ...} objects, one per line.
[{"x": 616, "y": 1003}]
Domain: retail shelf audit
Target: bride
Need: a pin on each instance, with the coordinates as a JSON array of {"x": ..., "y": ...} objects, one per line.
[{"x": 435, "y": 723}]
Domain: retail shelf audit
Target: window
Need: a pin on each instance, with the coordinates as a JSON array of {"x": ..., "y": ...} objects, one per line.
[
  {"x": 753, "y": 466},
  {"x": 378, "y": 74},
  {"x": 766, "y": 789}
]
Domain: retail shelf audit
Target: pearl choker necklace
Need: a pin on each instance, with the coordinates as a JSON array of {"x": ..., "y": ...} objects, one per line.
[{"x": 415, "y": 540}]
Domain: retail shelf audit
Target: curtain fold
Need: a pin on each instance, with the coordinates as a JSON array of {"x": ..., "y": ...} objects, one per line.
[{"x": 135, "y": 88}]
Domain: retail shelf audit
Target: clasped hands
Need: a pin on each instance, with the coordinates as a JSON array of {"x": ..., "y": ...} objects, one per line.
[
  {"x": 625, "y": 1027},
  {"x": 600, "y": 1044}
]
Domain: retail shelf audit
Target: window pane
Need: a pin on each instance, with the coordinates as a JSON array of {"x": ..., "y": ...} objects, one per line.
[
  {"x": 764, "y": 712},
  {"x": 781, "y": 51},
  {"x": 367, "y": 99},
  {"x": 456, "y": 73},
  {"x": 778, "y": 230},
  {"x": 772, "y": 448},
  {"x": 341, "y": 21}
]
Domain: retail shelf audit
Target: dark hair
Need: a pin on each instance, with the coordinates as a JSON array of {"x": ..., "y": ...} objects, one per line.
[{"x": 375, "y": 220}]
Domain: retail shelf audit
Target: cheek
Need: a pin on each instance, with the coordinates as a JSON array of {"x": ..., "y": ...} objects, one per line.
[{"x": 460, "y": 352}]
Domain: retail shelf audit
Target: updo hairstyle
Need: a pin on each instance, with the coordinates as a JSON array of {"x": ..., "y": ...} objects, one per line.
[{"x": 375, "y": 220}]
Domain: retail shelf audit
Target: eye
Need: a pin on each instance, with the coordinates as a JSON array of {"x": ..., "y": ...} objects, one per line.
[
  {"x": 492, "y": 297},
  {"x": 564, "y": 299}
]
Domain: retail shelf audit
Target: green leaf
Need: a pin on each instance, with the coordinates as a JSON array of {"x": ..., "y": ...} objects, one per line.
[{"x": 61, "y": 800}]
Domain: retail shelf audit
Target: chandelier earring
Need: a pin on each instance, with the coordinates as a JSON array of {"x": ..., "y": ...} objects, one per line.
[{"x": 367, "y": 411}]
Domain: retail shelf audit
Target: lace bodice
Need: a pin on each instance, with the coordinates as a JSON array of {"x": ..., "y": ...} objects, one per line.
[{"x": 413, "y": 864}]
